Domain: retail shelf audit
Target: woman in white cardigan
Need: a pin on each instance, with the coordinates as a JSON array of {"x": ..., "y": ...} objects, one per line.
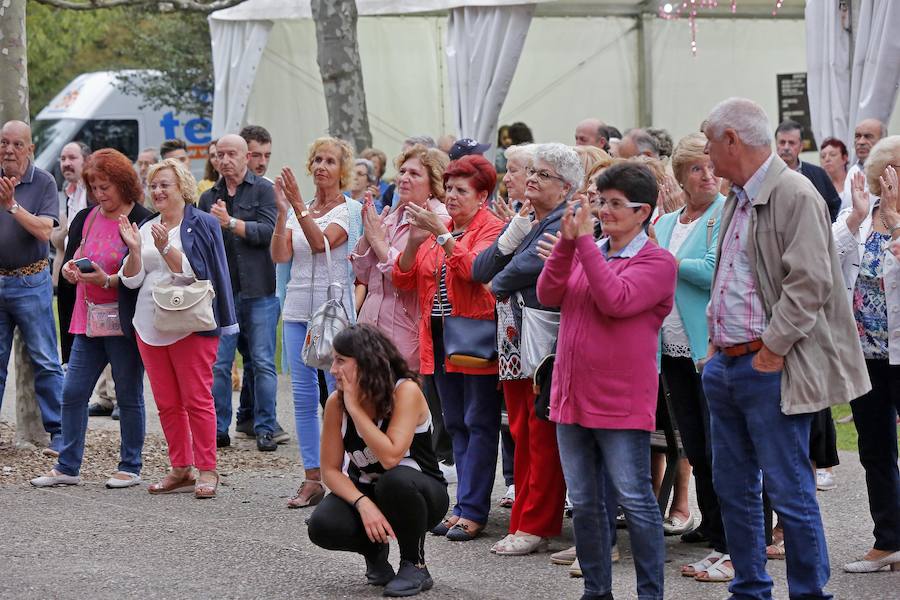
[{"x": 863, "y": 235}]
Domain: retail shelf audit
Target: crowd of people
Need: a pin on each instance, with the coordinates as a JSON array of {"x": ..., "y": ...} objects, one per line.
[{"x": 584, "y": 288}]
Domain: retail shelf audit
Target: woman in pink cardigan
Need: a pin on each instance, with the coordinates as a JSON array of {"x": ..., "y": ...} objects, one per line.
[{"x": 613, "y": 296}]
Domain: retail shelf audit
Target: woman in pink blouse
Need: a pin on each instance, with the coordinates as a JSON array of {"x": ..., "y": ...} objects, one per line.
[{"x": 396, "y": 312}]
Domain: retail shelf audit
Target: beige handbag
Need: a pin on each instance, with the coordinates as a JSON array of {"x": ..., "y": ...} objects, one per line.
[{"x": 184, "y": 308}]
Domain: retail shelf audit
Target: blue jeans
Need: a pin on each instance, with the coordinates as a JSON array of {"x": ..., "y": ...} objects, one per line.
[
  {"x": 471, "y": 410},
  {"x": 88, "y": 359},
  {"x": 305, "y": 386},
  {"x": 27, "y": 303},
  {"x": 258, "y": 321},
  {"x": 751, "y": 440},
  {"x": 590, "y": 459}
]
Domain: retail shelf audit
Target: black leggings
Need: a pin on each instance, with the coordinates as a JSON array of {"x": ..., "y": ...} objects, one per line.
[{"x": 412, "y": 502}]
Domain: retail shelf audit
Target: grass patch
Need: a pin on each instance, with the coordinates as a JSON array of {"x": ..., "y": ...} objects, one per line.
[{"x": 847, "y": 439}]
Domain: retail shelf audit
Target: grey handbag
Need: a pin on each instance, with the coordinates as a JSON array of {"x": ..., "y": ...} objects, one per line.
[
  {"x": 538, "y": 335},
  {"x": 325, "y": 323},
  {"x": 184, "y": 308}
]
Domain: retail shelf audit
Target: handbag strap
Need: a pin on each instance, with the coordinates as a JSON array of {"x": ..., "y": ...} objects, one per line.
[{"x": 93, "y": 217}]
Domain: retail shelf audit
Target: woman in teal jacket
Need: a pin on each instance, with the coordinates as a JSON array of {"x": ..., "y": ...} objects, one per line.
[{"x": 691, "y": 234}]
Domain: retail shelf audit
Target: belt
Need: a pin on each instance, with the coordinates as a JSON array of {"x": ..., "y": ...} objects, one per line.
[
  {"x": 32, "y": 269},
  {"x": 742, "y": 349}
]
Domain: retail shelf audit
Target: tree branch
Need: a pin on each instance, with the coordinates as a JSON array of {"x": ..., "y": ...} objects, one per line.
[{"x": 184, "y": 5}]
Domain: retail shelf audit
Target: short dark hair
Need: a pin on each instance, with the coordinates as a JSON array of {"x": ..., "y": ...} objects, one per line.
[
  {"x": 610, "y": 131},
  {"x": 171, "y": 146},
  {"x": 634, "y": 180},
  {"x": 520, "y": 133},
  {"x": 842, "y": 148},
  {"x": 787, "y": 126},
  {"x": 256, "y": 133}
]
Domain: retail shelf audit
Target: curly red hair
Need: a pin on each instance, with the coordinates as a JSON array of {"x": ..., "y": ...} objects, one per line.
[
  {"x": 115, "y": 166},
  {"x": 476, "y": 168}
]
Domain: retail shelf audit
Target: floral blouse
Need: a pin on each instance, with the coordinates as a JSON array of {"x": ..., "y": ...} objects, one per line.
[{"x": 869, "y": 304}]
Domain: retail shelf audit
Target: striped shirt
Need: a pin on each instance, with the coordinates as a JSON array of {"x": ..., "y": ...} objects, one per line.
[
  {"x": 442, "y": 306},
  {"x": 736, "y": 313}
]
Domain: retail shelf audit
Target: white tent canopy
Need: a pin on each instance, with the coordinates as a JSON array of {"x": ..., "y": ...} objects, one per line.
[{"x": 426, "y": 73}]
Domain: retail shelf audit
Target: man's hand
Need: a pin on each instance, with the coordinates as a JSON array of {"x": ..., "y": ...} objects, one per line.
[
  {"x": 7, "y": 191},
  {"x": 220, "y": 212},
  {"x": 767, "y": 361}
]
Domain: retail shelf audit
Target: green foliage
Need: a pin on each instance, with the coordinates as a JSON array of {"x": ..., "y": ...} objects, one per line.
[{"x": 65, "y": 43}]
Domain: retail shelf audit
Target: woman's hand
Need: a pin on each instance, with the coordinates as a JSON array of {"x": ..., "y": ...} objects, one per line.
[
  {"x": 292, "y": 190},
  {"x": 859, "y": 196},
  {"x": 584, "y": 221},
  {"x": 373, "y": 224},
  {"x": 130, "y": 234},
  {"x": 568, "y": 229},
  {"x": 378, "y": 529},
  {"x": 889, "y": 197},
  {"x": 425, "y": 219},
  {"x": 281, "y": 201},
  {"x": 96, "y": 277},
  {"x": 671, "y": 196},
  {"x": 546, "y": 245},
  {"x": 70, "y": 272},
  {"x": 502, "y": 209},
  {"x": 160, "y": 236}
]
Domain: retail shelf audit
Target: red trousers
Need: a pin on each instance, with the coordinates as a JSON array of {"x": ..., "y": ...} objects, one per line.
[
  {"x": 181, "y": 379},
  {"x": 537, "y": 473}
]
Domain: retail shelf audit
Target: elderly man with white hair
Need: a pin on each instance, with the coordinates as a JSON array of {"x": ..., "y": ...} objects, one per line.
[{"x": 778, "y": 327}]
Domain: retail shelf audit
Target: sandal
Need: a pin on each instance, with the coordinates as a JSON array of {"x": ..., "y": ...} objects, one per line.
[
  {"x": 206, "y": 490},
  {"x": 464, "y": 531},
  {"x": 174, "y": 484},
  {"x": 306, "y": 495},
  {"x": 520, "y": 545},
  {"x": 444, "y": 526},
  {"x": 718, "y": 573},
  {"x": 775, "y": 550},
  {"x": 692, "y": 569}
]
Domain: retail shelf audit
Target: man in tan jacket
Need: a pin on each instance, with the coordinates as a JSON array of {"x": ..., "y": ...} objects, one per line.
[{"x": 783, "y": 346}]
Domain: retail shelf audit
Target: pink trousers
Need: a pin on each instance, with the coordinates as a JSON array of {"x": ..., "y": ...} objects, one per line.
[{"x": 181, "y": 379}]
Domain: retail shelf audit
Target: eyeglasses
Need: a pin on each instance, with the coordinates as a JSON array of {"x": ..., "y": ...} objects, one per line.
[
  {"x": 542, "y": 175},
  {"x": 616, "y": 204},
  {"x": 17, "y": 145}
]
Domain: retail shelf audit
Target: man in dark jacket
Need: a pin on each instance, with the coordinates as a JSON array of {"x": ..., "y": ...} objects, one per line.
[{"x": 789, "y": 143}]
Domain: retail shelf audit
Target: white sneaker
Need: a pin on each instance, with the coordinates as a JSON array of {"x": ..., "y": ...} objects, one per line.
[
  {"x": 825, "y": 480},
  {"x": 449, "y": 472},
  {"x": 54, "y": 478}
]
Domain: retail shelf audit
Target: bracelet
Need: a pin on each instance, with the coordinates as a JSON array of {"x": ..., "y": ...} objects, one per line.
[
  {"x": 166, "y": 249},
  {"x": 106, "y": 285},
  {"x": 361, "y": 496}
]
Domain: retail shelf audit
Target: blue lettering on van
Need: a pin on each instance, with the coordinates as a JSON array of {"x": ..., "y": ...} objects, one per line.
[
  {"x": 169, "y": 123},
  {"x": 197, "y": 131}
]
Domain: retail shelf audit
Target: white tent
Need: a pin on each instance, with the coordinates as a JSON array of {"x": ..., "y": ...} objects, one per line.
[{"x": 438, "y": 66}]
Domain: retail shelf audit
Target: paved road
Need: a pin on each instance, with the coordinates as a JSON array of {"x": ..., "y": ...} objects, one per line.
[{"x": 89, "y": 542}]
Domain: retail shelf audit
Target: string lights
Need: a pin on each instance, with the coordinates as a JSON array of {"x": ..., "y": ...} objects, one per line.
[{"x": 672, "y": 11}]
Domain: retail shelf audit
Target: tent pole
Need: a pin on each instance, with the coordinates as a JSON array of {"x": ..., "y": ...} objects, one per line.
[{"x": 645, "y": 70}]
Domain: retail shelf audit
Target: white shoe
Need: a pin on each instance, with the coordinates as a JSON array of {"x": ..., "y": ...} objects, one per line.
[
  {"x": 54, "y": 478},
  {"x": 115, "y": 483},
  {"x": 449, "y": 472},
  {"x": 871, "y": 566},
  {"x": 509, "y": 497},
  {"x": 676, "y": 526},
  {"x": 825, "y": 480},
  {"x": 575, "y": 569}
]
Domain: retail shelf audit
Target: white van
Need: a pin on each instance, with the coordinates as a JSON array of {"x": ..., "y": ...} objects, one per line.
[{"x": 92, "y": 109}]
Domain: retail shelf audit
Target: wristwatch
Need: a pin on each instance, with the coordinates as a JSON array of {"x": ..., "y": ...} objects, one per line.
[
  {"x": 14, "y": 208},
  {"x": 302, "y": 214},
  {"x": 106, "y": 284},
  {"x": 444, "y": 238},
  {"x": 232, "y": 223}
]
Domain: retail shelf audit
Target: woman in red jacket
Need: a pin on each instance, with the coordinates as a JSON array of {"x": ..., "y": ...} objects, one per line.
[{"x": 437, "y": 262}]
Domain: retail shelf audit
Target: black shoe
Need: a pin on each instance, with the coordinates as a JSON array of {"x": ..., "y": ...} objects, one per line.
[
  {"x": 606, "y": 596},
  {"x": 246, "y": 427},
  {"x": 409, "y": 581},
  {"x": 280, "y": 435},
  {"x": 95, "y": 410},
  {"x": 265, "y": 443},
  {"x": 222, "y": 440},
  {"x": 695, "y": 536},
  {"x": 378, "y": 570},
  {"x": 115, "y": 413}
]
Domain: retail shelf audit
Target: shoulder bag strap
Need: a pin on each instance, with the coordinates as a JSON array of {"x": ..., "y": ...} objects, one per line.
[{"x": 93, "y": 217}]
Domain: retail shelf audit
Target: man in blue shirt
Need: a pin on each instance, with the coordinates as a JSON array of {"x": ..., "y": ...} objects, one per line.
[{"x": 29, "y": 209}]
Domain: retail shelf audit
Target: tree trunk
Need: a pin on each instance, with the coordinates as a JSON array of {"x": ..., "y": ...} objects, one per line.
[
  {"x": 341, "y": 70},
  {"x": 13, "y": 62}
]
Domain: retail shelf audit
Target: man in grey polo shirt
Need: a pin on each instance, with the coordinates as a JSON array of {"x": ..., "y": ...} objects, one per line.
[{"x": 29, "y": 209}]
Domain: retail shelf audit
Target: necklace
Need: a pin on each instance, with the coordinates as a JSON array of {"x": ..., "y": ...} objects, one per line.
[
  {"x": 684, "y": 214},
  {"x": 325, "y": 206}
]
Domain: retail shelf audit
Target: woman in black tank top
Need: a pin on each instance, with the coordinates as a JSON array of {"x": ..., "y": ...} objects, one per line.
[{"x": 377, "y": 421}]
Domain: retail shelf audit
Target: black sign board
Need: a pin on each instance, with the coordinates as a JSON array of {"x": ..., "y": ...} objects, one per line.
[{"x": 793, "y": 104}]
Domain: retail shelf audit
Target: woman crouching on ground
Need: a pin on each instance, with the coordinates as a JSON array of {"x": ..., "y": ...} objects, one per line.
[{"x": 393, "y": 488}]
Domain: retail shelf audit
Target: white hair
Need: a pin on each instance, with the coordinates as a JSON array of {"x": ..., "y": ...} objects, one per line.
[
  {"x": 745, "y": 117},
  {"x": 523, "y": 151},
  {"x": 564, "y": 161}
]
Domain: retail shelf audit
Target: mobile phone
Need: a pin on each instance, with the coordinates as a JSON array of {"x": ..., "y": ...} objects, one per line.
[{"x": 85, "y": 265}]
